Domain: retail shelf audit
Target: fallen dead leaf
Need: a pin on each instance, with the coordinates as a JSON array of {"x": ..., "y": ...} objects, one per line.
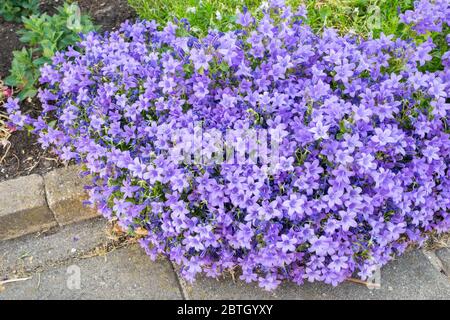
[
  {"x": 116, "y": 229},
  {"x": 141, "y": 232}
]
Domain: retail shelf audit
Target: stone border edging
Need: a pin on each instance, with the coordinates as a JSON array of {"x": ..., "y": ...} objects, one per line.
[{"x": 37, "y": 203}]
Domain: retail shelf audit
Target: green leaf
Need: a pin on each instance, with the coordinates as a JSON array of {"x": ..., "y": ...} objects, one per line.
[
  {"x": 39, "y": 62},
  {"x": 52, "y": 124},
  {"x": 324, "y": 12},
  {"x": 28, "y": 93},
  {"x": 224, "y": 67},
  {"x": 11, "y": 81},
  {"x": 48, "y": 48}
]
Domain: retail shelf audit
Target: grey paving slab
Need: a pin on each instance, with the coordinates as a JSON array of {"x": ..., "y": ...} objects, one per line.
[
  {"x": 411, "y": 276},
  {"x": 23, "y": 208},
  {"x": 444, "y": 255},
  {"x": 26, "y": 253},
  {"x": 126, "y": 273},
  {"x": 226, "y": 288}
]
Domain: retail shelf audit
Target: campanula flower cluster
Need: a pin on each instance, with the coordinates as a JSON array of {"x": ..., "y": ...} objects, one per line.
[{"x": 363, "y": 138}]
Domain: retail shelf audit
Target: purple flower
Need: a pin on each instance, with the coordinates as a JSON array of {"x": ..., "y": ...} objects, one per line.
[
  {"x": 128, "y": 189},
  {"x": 320, "y": 131},
  {"x": 347, "y": 220},
  {"x": 269, "y": 282},
  {"x": 200, "y": 59},
  {"x": 244, "y": 19},
  {"x": 294, "y": 205},
  {"x": 383, "y": 137},
  {"x": 321, "y": 246},
  {"x": 286, "y": 244}
]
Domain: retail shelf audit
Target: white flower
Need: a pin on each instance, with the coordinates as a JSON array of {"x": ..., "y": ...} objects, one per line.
[{"x": 191, "y": 10}]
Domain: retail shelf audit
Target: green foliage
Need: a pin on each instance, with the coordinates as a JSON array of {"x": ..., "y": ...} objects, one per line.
[
  {"x": 201, "y": 14},
  {"x": 44, "y": 35},
  {"x": 347, "y": 16},
  {"x": 358, "y": 16},
  {"x": 14, "y": 10}
]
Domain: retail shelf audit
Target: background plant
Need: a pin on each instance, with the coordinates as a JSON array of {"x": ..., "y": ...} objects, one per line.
[
  {"x": 14, "y": 10},
  {"x": 43, "y": 36}
]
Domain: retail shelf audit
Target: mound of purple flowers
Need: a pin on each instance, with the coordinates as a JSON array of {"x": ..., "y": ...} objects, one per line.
[{"x": 362, "y": 136}]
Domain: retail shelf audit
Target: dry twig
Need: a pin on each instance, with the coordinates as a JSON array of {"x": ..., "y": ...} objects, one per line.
[
  {"x": 368, "y": 284},
  {"x": 14, "y": 280}
]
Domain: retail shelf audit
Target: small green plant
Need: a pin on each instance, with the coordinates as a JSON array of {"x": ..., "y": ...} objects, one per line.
[
  {"x": 24, "y": 73},
  {"x": 14, "y": 10},
  {"x": 43, "y": 36}
]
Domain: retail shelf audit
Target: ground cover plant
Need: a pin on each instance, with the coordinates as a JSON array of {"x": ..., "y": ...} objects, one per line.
[{"x": 360, "y": 129}]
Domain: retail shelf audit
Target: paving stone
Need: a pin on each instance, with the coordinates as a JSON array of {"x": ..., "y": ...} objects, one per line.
[
  {"x": 24, "y": 254},
  {"x": 128, "y": 273},
  {"x": 444, "y": 255},
  {"x": 411, "y": 276},
  {"x": 125, "y": 273},
  {"x": 65, "y": 195},
  {"x": 225, "y": 287},
  {"x": 23, "y": 208}
]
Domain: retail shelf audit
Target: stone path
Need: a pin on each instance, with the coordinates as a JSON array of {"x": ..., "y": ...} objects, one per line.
[{"x": 81, "y": 261}]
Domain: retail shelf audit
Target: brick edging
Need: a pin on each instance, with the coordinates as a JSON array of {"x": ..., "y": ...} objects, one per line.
[{"x": 37, "y": 203}]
